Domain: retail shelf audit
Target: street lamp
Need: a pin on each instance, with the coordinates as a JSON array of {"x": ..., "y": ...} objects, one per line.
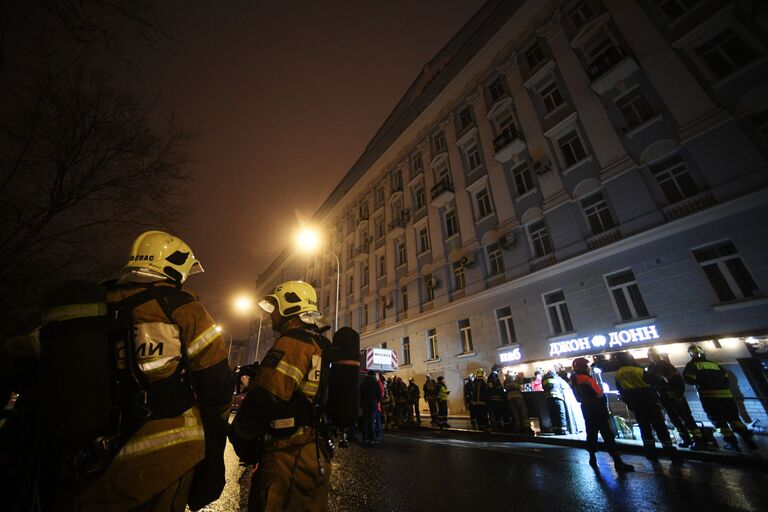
[{"x": 308, "y": 240}]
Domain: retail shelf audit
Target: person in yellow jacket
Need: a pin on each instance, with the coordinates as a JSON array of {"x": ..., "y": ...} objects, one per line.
[
  {"x": 277, "y": 425},
  {"x": 154, "y": 469}
]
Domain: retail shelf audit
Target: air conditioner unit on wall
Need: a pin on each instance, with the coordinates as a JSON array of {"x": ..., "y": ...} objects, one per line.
[
  {"x": 542, "y": 166},
  {"x": 468, "y": 260},
  {"x": 507, "y": 240}
]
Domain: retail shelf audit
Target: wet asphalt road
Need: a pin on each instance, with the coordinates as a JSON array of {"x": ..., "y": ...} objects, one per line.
[{"x": 430, "y": 473}]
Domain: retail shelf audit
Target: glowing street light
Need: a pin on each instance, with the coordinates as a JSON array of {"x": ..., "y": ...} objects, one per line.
[
  {"x": 308, "y": 240},
  {"x": 243, "y": 304}
]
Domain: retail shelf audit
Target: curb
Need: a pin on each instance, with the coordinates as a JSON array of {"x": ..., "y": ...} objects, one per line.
[{"x": 740, "y": 459}]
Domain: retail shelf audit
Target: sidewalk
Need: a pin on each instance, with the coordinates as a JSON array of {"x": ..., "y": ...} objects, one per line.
[{"x": 460, "y": 429}]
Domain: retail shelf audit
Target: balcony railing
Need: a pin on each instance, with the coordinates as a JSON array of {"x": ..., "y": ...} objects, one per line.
[
  {"x": 543, "y": 262},
  {"x": 495, "y": 280},
  {"x": 605, "y": 61},
  {"x": 505, "y": 138},
  {"x": 604, "y": 238},
  {"x": 401, "y": 220},
  {"x": 689, "y": 205},
  {"x": 441, "y": 187}
]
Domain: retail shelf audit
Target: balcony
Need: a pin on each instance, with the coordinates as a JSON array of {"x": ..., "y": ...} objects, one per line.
[
  {"x": 507, "y": 144},
  {"x": 604, "y": 238},
  {"x": 545, "y": 261},
  {"x": 442, "y": 193},
  {"x": 689, "y": 206},
  {"x": 610, "y": 67},
  {"x": 458, "y": 294},
  {"x": 362, "y": 251},
  {"x": 397, "y": 226},
  {"x": 495, "y": 280}
]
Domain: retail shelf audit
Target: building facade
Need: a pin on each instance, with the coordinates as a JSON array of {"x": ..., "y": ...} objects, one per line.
[{"x": 564, "y": 178}]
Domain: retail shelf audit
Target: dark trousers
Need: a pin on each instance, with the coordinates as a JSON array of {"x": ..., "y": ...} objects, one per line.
[
  {"x": 413, "y": 410},
  {"x": 725, "y": 415},
  {"x": 433, "y": 409},
  {"x": 369, "y": 425},
  {"x": 442, "y": 412},
  {"x": 499, "y": 411},
  {"x": 557, "y": 413},
  {"x": 680, "y": 415},
  {"x": 650, "y": 418},
  {"x": 596, "y": 419},
  {"x": 481, "y": 414}
]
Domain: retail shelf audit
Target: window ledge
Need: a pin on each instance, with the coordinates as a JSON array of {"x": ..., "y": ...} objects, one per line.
[
  {"x": 557, "y": 109},
  {"x": 455, "y": 235},
  {"x": 465, "y": 354},
  {"x": 407, "y": 365},
  {"x": 746, "y": 303},
  {"x": 563, "y": 337},
  {"x": 573, "y": 167},
  {"x": 719, "y": 83},
  {"x": 403, "y": 264},
  {"x": 435, "y": 360},
  {"x": 424, "y": 252},
  {"x": 478, "y": 221},
  {"x": 635, "y": 323},
  {"x": 642, "y": 126},
  {"x": 507, "y": 347},
  {"x": 530, "y": 192}
]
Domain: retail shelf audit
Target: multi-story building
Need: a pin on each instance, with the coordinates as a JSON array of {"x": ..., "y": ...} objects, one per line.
[{"x": 564, "y": 178}]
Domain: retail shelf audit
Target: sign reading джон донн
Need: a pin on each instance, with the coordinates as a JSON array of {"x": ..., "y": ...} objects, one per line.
[{"x": 599, "y": 341}]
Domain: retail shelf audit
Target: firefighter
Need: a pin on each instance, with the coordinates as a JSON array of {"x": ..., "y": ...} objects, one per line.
[
  {"x": 400, "y": 393},
  {"x": 554, "y": 393},
  {"x": 711, "y": 382},
  {"x": 469, "y": 385},
  {"x": 497, "y": 399},
  {"x": 442, "y": 403},
  {"x": 278, "y": 425},
  {"x": 517, "y": 406},
  {"x": 594, "y": 407},
  {"x": 430, "y": 396},
  {"x": 670, "y": 387},
  {"x": 480, "y": 400},
  {"x": 634, "y": 385},
  {"x": 413, "y": 402},
  {"x": 154, "y": 470}
]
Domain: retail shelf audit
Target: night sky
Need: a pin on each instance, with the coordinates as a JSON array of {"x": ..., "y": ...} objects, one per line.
[{"x": 284, "y": 96}]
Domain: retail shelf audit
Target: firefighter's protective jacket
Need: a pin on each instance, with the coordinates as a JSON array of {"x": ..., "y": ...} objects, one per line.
[
  {"x": 163, "y": 450},
  {"x": 709, "y": 378}
]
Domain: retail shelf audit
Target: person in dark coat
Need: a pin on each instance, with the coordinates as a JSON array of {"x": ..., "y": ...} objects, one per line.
[
  {"x": 413, "y": 402},
  {"x": 370, "y": 397},
  {"x": 595, "y": 409}
]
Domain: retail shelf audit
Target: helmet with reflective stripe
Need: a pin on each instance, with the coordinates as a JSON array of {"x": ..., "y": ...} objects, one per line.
[
  {"x": 160, "y": 254},
  {"x": 293, "y": 298},
  {"x": 696, "y": 351},
  {"x": 480, "y": 373}
]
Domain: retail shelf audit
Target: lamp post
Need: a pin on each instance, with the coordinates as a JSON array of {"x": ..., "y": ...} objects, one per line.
[
  {"x": 243, "y": 305},
  {"x": 309, "y": 240}
]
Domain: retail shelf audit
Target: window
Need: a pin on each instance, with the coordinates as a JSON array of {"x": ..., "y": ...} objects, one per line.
[
  {"x": 459, "y": 281},
  {"x": 474, "y": 160},
  {"x": 379, "y": 226},
  {"x": 350, "y": 250},
  {"x": 402, "y": 255},
  {"x": 451, "y": 223},
  {"x": 383, "y": 306},
  {"x": 674, "y": 179},
  {"x": 381, "y": 265},
  {"x": 506, "y": 327},
  {"x": 465, "y": 118},
  {"x": 465, "y": 335},
  {"x": 429, "y": 287},
  {"x": 557, "y": 311},
  {"x": 551, "y": 96},
  {"x": 397, "y": 181},
  {"x": 364, "y": 211},
  {"x": 432, "y": 348},
  {"x": 404, "y": 298},
  {"x": 634, "y": 109},
  {"x": 483, "y": 202},
  {"x": 440, "y": 144},
  {"x": 405, "y": 349},
  {"x": 380, "y": 195},
  {"x": 581, "y": 14},
  {"x": 384, "y": 345},
  {"x": 423, "y": 240},
  {"x": 597, "y": 213},
  {"x": 522, "y": 177},
  {"x": 540, "y": 239},
  {"x": 533, "y": 56},
  {"x": 496, "y": 89},
  {"x": 725, "y": 271},
  {"x": 364, "y": 274},
  {"x": 626, "y": 296},
  {"x": 443, "y": 174},
  {"x": 350, "y": 284},
  {"x": 495, "y": 259},
  {"x": 365, "y": 314},
  {"x": 726, "y": 53},
  {"x": 601, "y": 52},
  {"x": 327, "y": 299},
  {"x": 674, "y": 9},
  {"x": 417, "y": 163},
  {"x": 571, "y": 148},
  {"x": 420, "y": 197}
]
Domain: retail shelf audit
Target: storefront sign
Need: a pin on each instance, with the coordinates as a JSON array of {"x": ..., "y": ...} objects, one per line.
[
  {"x": 511, "y": 356},
  {"x": 613, "y": 339}
]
